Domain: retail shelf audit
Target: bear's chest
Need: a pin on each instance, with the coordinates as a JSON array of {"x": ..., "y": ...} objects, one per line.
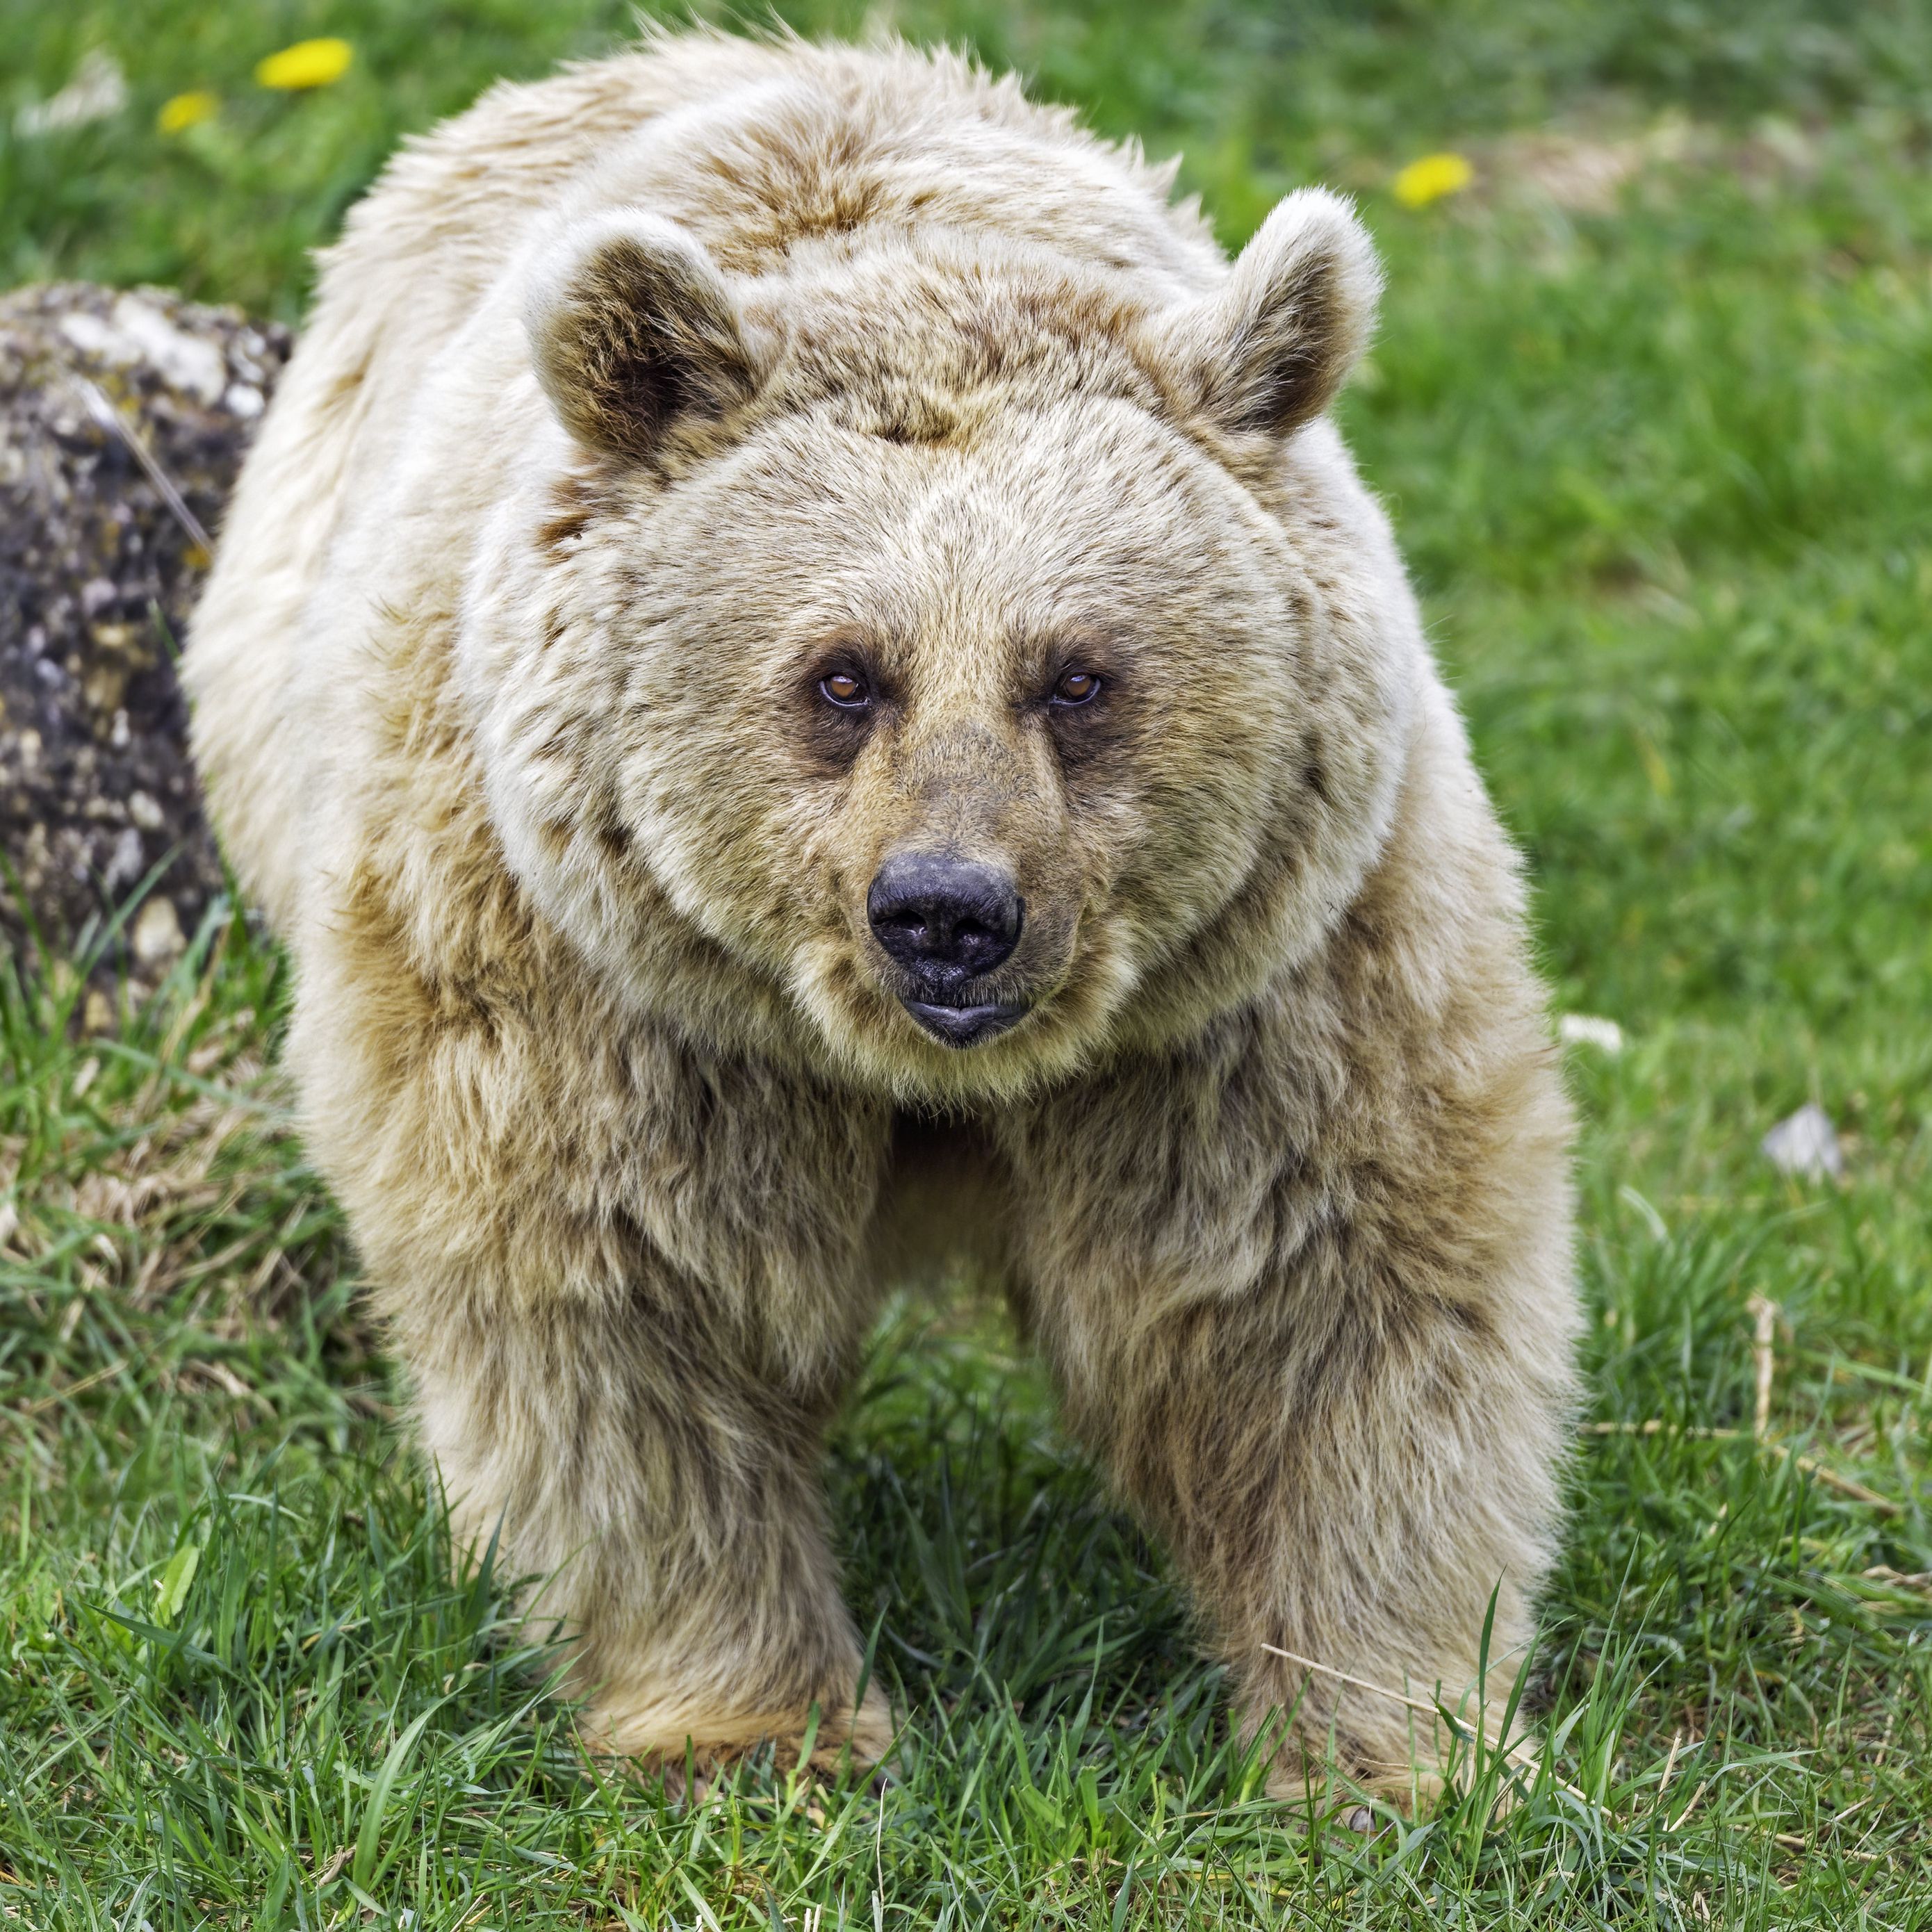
[{"x": 944, "y": 1208}]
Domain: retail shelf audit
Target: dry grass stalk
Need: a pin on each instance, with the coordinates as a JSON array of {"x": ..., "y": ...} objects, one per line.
[
  {"x": 61, "y": 1395},
  {"x": 1670, "y": 1767},
  {"x": 1791, "y": 1842},
  {"x": 1516, "y": 1751},
  {"x": 1677, "y": 1824},
  {"x": 1846, "y": 1486},
  {"x": 1899, "y": 1580},
  {"x": 1764, "y": 1313}
]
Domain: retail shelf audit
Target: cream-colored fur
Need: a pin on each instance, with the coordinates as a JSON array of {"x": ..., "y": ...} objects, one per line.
[{"x": 631, "y": 401}]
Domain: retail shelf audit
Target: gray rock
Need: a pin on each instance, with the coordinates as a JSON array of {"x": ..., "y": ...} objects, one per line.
[{"x": 100, "y": 561}]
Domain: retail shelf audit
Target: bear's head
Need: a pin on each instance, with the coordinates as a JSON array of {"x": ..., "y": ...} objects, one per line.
[{"x": 959, "y": 660}]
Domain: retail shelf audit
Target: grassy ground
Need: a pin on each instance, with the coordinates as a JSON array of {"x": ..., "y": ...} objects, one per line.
[{"x": 1653, "y": 407}]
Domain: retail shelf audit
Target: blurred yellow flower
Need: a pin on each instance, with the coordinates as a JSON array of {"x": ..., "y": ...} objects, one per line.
[
  {"x": 306, "y": 63},
  {"x": 1430, "y": 178},
  {"x": 187, "y": 110}
]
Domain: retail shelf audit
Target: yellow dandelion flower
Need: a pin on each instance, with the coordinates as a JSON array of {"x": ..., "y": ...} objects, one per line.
[
  {"x": 1430, "y": 178},
  {"x": 306, "y": 63},
  {"x": 187, "y": 110}
]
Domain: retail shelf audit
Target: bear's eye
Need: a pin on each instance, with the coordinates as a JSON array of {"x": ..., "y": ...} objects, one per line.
[
  {"x": 844, "y": 689},
  {"x": 1076, "y": 687}
]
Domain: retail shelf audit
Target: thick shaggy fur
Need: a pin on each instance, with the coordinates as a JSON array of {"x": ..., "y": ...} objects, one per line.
[{"x": 631, "y": 401}]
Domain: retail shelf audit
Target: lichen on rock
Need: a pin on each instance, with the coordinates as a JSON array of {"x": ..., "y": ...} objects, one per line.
[{"x": 98, "y": 574}]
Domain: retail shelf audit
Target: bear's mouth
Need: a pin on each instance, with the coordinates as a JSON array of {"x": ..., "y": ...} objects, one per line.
[{"x": 964, "y": 1024}]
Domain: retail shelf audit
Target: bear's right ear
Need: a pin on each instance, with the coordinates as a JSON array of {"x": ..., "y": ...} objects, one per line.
[{"x": 631, "y": 325}]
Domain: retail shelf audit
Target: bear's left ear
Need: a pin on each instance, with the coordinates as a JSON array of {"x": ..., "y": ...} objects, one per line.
[
  {"x": 1269, "y": 352},
  {"x": 631, "y": 326}
]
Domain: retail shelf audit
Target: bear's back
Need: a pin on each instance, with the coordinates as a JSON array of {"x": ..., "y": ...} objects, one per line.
[{"x": 755, "y": 147}]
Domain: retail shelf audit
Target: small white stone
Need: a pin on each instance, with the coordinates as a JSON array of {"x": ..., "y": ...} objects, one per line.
[
  {"x": 157, "y": 933},
  {"x": 1806, "y": 1143},
  {"x": 1587, "y": 1030},
  {"x": 243, "y": 400},
  {"x": 143, "y": 810}
]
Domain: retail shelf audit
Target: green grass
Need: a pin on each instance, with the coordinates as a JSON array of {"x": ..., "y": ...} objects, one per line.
[{"x": 1663, "y": 469}]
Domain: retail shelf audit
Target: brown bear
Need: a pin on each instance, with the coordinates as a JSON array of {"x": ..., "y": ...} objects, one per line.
[{"x": 809, "y": 686}]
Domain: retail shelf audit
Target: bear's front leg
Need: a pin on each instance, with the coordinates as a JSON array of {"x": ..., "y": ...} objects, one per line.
[
  {"x": 667, "y": 1499},
  {"x": 1344, "y": 1480},
  {"x": 1322, "y": 1343},
  {"x": 623, "y": 1274}
]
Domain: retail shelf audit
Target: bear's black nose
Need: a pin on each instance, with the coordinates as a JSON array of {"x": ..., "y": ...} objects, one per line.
[{"x": 946, "y": 920}]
